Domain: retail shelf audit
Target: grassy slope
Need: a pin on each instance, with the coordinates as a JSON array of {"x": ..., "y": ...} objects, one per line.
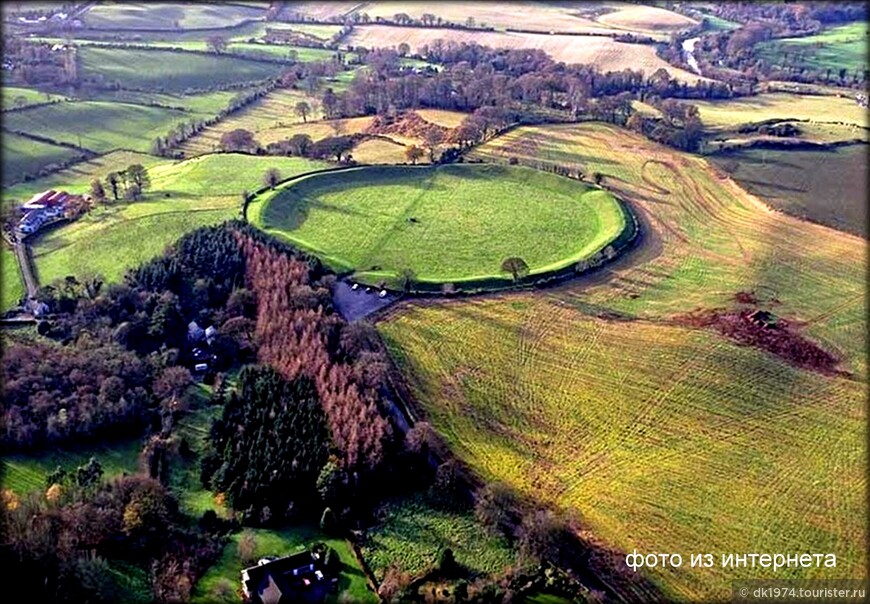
[
  {"x": 829, "y": 187},
  {"x": 467, "y": 219},
  {"x": 12, "y": 284},
  {"x": 11, "y": 93},
  {"x": 169, "y": 70},
  {"x": 22, "y": 155},
  {"x": 25, "y": 473},
  {"x": 76, "y": 179},
  {"x": 414, "y": 533},
  {"x": 835, "y": 48},
  {"x": 202, "y": 191},
  {"x": 663, "y": 438},
  {"x": 99, "y": 126},
  {"x": 352, "y": 583},
  {"x": 158, "y": 15}
]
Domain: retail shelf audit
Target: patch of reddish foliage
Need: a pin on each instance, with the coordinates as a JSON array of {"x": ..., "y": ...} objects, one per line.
[
  {"x": 292, "y": 331},
  {"x": 780, "y": 339},
  {"x": 408, "y": 124}
]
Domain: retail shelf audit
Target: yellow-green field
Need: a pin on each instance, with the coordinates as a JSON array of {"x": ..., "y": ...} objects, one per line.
[
  {"x": 733, "y": 112},
  {"x": 275, "y": 110},
  {"x": 661, "y": 437},
  {"x": 442, "y": 117},
  {"x": 315, "y": 129}
]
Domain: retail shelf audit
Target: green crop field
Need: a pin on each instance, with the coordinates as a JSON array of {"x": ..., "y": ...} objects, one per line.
[
  {"x": 167, "y": 70},
  {"x": 168, "y": 16},
  {"x": 22, "y": 155},
  {"x": 414, "y": 532},
  {"x": 12, "y": 284},
  {"x": 352, "y": 586},
  {"x": 829, "y": 187},
  {"x": 201, "y": 191},
  {"x": 97, "y": 125},
  {"x": 14, "y": 97},
  {"x": 449, "y": 223},
  {"x": 24, "y": 473},
  {"x": 843, "y": 47},
  {"x": 686, "y": 442}
]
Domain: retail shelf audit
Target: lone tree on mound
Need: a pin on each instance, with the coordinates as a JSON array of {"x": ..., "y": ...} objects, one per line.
[
  {"x": 139, "y": 176},
  {"x": 302, "y": 110},
  {"x": 271, "y": 178},
  {"x": 414, "y": 153},
  {"x": 217, "y": 43},
  {"x": 517, "y": 267}
]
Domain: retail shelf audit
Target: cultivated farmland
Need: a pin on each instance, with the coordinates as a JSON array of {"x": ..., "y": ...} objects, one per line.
[
  {"x": 541, "y": 18},
  {"x": 166, "y": 70},
  {"x": 276, "y": 110},
  {"x": 828, "y": 186},
  {"x": 604, "y": 52},
  {"x": 645, "y": 19},
  {"x": 781, "y": 106},
  {"x": 450, "y": 223},
  {"x": 315, "y": 129},
  {"x": 647, "y": 449}
]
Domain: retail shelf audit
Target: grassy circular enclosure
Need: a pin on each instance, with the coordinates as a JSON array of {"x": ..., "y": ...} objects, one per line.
[{"x": 453, "y": 223}]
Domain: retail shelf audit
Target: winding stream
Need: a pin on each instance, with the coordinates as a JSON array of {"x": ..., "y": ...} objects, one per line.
[{"x": 689, "y": 49}]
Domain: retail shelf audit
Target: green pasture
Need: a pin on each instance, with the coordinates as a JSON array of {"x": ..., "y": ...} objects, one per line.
[
  {"x": 12, "y": 284},
  {"x": 168, "y": 16},
  {"x": 183, "y": 196},
  {"x": 22, "y": 155},
  {"x": 15, "y": 96},
  {"x": 23, "y": 473},
  {"x": 169, "y": 71},
  {"x": 842, "y": 47},
  {"x": 449, "y": 223},
  {"x": 97, "y": 125}
]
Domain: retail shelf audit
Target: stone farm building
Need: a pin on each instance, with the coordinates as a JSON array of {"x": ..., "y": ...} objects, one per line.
[{"x": 48, "y": 207}]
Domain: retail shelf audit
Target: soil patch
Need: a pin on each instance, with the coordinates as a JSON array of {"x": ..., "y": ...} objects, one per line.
[{"x": 766, "y": 331}]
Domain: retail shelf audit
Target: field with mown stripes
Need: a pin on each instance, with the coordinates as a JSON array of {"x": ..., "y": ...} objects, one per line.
[
  {"x": 276, "y": 110},
  {"x": 594, "y": 397}
]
